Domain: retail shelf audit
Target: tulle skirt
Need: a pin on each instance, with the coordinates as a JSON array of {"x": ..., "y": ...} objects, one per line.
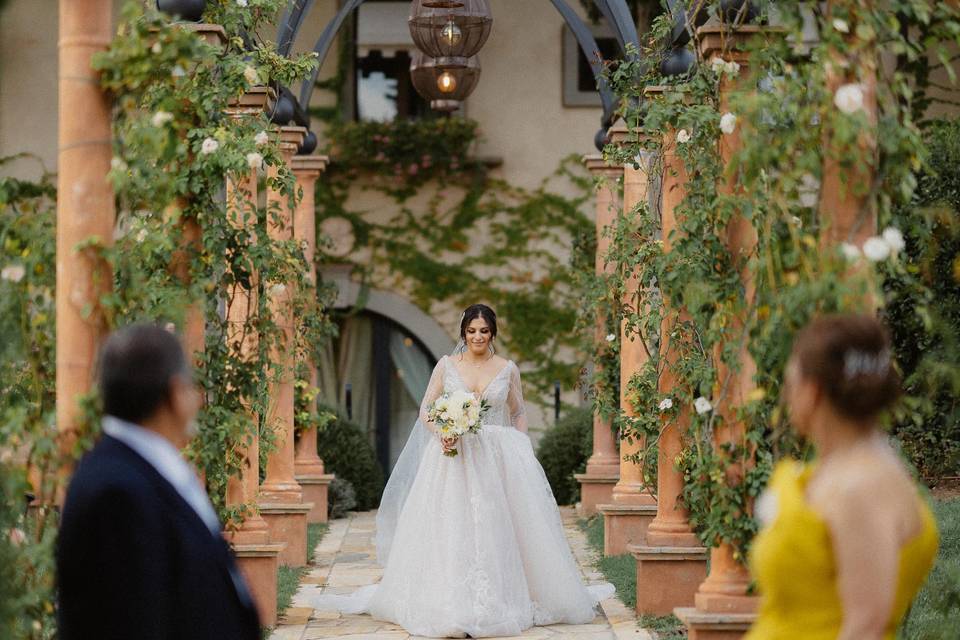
[{"x": 479, "y": 547}]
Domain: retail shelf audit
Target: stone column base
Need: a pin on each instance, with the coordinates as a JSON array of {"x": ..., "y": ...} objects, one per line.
[
  {"x": 315, "y": 488},
  {"x": 288, "y": 524},
  {"x": 667, "y": 577},
  {"x": 595, "y": 488},
  {"x": 714, "y": 626},
  {"x": 625, "y": 524},
  {"x": 258, "y": 564}
]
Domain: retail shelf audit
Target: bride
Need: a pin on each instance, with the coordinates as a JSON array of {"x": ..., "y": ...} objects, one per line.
[{"x": 473, "y": 544}]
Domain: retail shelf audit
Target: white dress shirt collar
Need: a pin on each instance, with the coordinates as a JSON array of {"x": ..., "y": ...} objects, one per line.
[{"x": 169, "y": 463}]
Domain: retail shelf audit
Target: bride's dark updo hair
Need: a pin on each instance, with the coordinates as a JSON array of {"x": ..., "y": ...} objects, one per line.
[
  {"x": 849, "y": 358},
  {"x": 475, "y": 311}
]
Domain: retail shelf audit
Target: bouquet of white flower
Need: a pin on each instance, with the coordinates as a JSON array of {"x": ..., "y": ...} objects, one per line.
[{"x": 456, "y": 414}]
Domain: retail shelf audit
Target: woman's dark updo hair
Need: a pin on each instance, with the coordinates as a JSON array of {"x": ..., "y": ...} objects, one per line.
[
  {"x": 475, "y": 311},
  {"x": 848, "y": 356}
]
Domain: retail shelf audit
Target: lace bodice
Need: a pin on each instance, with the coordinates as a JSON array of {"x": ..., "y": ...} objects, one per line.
[{"x": 503, "y": 393}]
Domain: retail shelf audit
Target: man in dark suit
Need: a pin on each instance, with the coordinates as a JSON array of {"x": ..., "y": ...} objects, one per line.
[{"x": 140, "y": 553}]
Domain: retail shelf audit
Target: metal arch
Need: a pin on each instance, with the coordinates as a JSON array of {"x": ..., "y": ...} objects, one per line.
[
  {"x": 290, "y": 23},
  {"x": 323, "y": 45},
  {"x": 615, "y": 12}
]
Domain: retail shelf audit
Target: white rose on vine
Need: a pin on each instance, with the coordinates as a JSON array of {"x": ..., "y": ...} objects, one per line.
[
  {"x": 849, "y": 98},
  {"x": 156, "y": 48},
  {"x": 251, "y": 75},
  {"x": 702, "y": 405},
  {"x": 242, "y": 3},
  {"x": 894, "y": 240},
  {"x": 666, "y": 404},
  {"x": 841, "y": 25},
  {"x": 117, "y": 164},
  {"x": 278, "y": 290},
  {"x": 728, "y": 123},
  {"x": 732, "y": 68},
  {"x": 683, "y": 137},
  {"x": 876, "y": 249},
  {"x": 161, "y": 118},
  {"x": 141, "y": 235},
  {"x": 718, "y": 64},
  {"x": 261, "y": 138},
  {"x": 208, "y": 146},
  {"x": 254, "y": 160},
  {"x": 13, "y": 273},
  {"x": 178, "y": 72},
  {"x": 850, "y": 251},
  {"x": 611, "y": 337}
]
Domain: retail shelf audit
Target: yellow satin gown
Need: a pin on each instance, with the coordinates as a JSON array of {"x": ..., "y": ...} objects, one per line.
[{"x": 792, "y": 561}]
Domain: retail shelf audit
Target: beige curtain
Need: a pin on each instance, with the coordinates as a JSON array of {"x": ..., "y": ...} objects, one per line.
[{"x": 348, "y": 360}]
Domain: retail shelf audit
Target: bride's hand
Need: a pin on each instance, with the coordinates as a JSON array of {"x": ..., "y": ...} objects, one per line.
[{"x": 448, "y": 443}]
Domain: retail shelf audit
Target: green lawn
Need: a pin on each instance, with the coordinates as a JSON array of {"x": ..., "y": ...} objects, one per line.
[
  {"x": 621, "y": 571},
  {"x": 288, "y": 578},
  {"x": 936, "y": 612}
]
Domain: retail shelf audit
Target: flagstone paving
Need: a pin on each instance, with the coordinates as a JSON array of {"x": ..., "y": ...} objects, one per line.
[{"x": 346, "y": 559}]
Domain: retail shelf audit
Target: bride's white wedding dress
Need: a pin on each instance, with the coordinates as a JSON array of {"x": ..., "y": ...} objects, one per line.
[{"x": 473, "y": 544}]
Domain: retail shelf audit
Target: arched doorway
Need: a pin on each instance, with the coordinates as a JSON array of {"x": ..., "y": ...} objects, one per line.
[{"x": 375, "y": 373}]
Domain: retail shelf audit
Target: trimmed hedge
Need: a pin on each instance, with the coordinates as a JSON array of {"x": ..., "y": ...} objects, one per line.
[
  {"x": 346, "y": 451},
  {"x": 563, "y": 451}
]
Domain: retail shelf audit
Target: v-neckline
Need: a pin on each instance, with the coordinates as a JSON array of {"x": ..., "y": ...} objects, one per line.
[{"x": 487, "y": 386}]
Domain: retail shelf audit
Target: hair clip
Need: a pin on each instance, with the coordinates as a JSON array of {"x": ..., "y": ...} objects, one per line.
[{"x": 858, "y": 363}]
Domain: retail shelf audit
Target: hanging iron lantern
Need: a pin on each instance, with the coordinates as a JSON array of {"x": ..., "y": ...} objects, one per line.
[
  {"x": 450, "y": 28},
  {"x": 445, "y": 87}
]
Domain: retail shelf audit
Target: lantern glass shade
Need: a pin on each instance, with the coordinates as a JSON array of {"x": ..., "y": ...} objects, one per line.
[
  {"x": 441, "y": 84},
  {"x": 450, "y": 29}
]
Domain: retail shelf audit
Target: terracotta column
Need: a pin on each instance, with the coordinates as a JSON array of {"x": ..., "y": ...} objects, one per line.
[
  {"x": 848, "y": 213},
  {"x": 626, "y": 517},
  {"x": 85, "y": 204},
  {"x": 672, "y": 562},
  {"x": 256, "y": 555},
  {"x": 723, "y": 607},
  {"x": 190, "y": 241},
  {"x": 308, "y": 466},
  {"x": 281, "y": 498},
  {"x": 603, "y": 467}
]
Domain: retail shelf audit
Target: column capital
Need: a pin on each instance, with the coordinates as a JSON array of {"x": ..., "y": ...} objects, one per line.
[
  {"x": 309, "y": 166},
  {"x": 291, "y": 137},
  {"x": 213, "y": 34},
  {"x": 251, "y": 103},
  {"x": 597, "y": 166},
  {"x": 716, "y": 39}
]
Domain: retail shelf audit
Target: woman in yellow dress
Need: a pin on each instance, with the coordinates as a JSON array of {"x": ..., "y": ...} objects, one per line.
[{"x": 847, "y": 540}]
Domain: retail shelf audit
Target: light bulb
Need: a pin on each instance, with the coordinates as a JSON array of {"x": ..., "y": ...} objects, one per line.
[
  {"x": 447, "y": 83},
  {"x": 451, "y": 33}
]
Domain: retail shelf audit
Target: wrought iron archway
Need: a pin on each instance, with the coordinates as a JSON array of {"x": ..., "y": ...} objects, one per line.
[{"x": 616, "y": 13}]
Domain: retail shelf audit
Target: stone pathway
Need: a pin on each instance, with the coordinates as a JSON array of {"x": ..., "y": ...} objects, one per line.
[{"x": 345, "y": 559}]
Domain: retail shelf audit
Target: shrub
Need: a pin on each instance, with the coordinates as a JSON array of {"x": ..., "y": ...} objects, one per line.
[
  {"x": 341, "y": 499},
  {"x": 927, "y": 345},
  {"x": 564, "y": 450},
  {"x": 346, "y": 451}
]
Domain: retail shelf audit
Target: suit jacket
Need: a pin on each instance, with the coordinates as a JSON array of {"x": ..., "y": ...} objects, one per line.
[{"x": 134, "y": 560}]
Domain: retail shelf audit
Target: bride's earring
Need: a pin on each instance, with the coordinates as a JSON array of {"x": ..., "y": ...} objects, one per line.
[{"x": 491, "y": 348}]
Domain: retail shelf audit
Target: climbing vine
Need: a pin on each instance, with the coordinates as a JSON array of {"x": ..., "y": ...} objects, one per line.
[
  {"x": 176, "y": 145},
  {"x": 702, "y": 325},
  {"x": 454, "y": 234}
]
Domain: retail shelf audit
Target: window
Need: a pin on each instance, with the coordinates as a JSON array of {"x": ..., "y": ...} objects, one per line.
[
  {"x": 382, "y": 69},
  {"x": 579, "y": 85}
]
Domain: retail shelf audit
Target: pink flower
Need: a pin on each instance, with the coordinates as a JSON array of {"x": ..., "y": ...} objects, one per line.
[{"x": 413, "y": 169}]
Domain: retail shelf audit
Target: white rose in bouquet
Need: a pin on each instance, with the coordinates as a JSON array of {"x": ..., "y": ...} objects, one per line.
[{"x": 456, "y": 414}]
